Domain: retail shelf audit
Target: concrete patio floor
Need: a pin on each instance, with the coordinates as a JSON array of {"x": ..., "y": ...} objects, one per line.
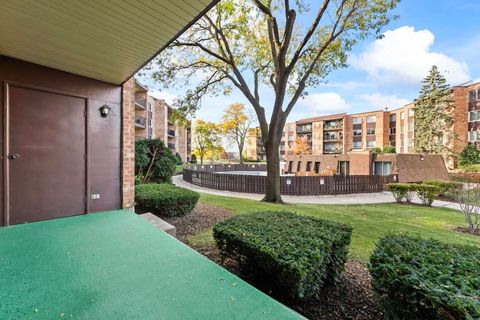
[{"x": 115, "y": 265}]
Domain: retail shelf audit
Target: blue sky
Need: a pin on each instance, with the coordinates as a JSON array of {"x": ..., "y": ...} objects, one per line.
[{"x": 387, "y": 72}]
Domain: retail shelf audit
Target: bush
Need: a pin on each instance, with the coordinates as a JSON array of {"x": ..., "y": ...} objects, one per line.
[
  {"x": 300, "y": 254},
  {"x": 377, "y": 150},
  {"x": 194, "y": 159},
  {"x": 401, "y": 191},
  {"x": 427, "y": 193},
  {"x": 389, "y": 149},
  {"x": 178, "y": 158},
  {"x": 470, "y": 155},
  {"x": 154, "y": 162},
  {"x": 447, "y": 187},
  {"x": 470, "y": 167},
  {"x": 426, "y": 279},
  {"x": 165, "y": 199}
]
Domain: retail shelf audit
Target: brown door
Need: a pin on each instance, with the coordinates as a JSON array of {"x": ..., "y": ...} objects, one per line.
[{"x": 46, "y": 155}]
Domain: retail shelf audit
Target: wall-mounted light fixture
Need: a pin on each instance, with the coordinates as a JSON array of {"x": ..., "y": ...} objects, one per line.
[{"x": 105, "y": 110}]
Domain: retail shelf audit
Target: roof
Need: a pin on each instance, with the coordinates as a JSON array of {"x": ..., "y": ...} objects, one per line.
[
  {"x": 322, "y": 118},
  {"x": 103, "y": 40}
]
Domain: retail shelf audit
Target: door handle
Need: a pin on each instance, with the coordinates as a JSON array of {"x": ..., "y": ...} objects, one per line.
[{"x": 15, "y": 156}]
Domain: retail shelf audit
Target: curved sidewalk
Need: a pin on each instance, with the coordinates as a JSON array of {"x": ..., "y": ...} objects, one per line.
[{"x": 356, "y": 198}]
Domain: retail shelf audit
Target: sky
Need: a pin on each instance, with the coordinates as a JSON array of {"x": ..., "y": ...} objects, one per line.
[{"x": 386, "y": 72}]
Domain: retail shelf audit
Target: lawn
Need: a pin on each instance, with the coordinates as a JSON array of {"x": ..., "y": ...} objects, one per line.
[
  {"x": 179, "y": 168},
  {"x": 369, "y": 222}
]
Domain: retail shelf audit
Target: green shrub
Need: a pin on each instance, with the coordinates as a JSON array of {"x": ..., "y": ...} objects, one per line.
[
  {"x": 447, "y": 187},
  {"x": 300, "y": 254},
  {"x": 178, "y": 158},
  {"x": 427, "y": 193},
  {"x": 426, "y": 279},
  {"x": 154, "y": 162},
  {"x": 470, "y": 155},
  {"x": 193, "y": 160},
  {"x": 389, "y": 149},
  {"x": 377, "y": 150},
  {"x": 165, "y": 199},
  {"x": 401, "y": 191},
  {"x": 470, "y": 167}
]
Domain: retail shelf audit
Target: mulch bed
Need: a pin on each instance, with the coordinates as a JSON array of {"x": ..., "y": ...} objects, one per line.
[
  {"x": 202, "y": 217},
  {"x": 350, "y": 298},
  {"x": 467, "y": 230}
]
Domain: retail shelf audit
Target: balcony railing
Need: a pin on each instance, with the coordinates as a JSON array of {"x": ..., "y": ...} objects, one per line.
[
  {"x": 474, "y": 105},
  {"x": 171, "y": 132},
  {"x": 333, "y": 126},
  {"x": 332, "y": 137},
  {"x": 304, "y": 129},
  {"x": 140, "y": 122},
  {"x": 140, "y": 103}
]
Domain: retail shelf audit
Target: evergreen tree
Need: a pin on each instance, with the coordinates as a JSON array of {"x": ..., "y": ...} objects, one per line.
[{"x": 433, "y": 120}]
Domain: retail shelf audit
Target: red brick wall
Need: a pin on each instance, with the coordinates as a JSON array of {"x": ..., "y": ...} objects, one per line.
[{"x": 128, "y": 144}]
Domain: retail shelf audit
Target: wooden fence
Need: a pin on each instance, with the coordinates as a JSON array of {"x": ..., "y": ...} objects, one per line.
[{"x": 211, "y": 177}]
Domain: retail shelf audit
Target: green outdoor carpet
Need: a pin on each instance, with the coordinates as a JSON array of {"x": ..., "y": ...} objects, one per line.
[{"x": 115, "y": 265}]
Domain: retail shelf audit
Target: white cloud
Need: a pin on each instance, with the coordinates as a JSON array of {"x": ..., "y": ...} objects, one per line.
[
  {"x": 324, "y": 103},
  {"x": 377, "y": 100},
  {"x": 404, "y": 56},
  {"x": 167, "y": 96}
]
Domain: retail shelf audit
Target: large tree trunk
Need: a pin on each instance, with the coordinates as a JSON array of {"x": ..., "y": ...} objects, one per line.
[{"x": 272, "y": 193}]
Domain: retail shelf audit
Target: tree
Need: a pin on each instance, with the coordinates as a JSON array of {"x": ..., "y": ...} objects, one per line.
[
  {"x": 470, "y": 155},
  {"x": 433, "y": 110},
  {"x": 235, "y": 124},
  {"x": 254, "y": 43},
  {"x": 154, "y": 162},
  {"x": 301, "y": 147},
  {"x": 206, "y": 138}
]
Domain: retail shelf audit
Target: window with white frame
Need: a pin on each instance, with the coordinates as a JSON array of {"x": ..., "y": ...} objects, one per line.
[
  {"x": 410, "y": 126},
  {"x": 474, "y": 115},
  {"x": 371, "y": 119},
  {"x": 473, "y": 136},
  {"x": 371, "y": 144},
  {"x": 370, "y": 131},
  {"x": 393, "y": 130},
  {"x": 402, "y": 115},
  {"x": 382, "y": 168},
  {"x": 357, "y": 120},
  {"x": 357, "y": 145},
  {"x": 357, "y": 133},
  {"x": 411, "y": 112},
  {"x": 393, "y": 117},
  {"x": 473, "y": 95}
]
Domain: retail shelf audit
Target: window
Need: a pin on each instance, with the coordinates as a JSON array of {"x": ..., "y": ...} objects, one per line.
[
  {"x": 402, "y": 130},
  {"x": 371, "y": 144},
  {"x": 474, "y": 116},
  {"x": 411, "y": 113},
  {"x": 149, "y": 106},
  {"x": 357, "y": 145},
  {"x": 402, "y": 115},
  {"x": 393, "y": 117},
  {"x": 309, "y": 166},
  {"x": 343, "y": 168},
  {"x": 410, "y": 126},
  {"x": 410, "y": 142},
  {"x": 393, "y": 130},
  {"x": 357, "y": 120},
  {"x": 472, "y": 95},
  {"x": 473, "y": 136},
  {"x": 357, "y": 133},
  {"x": 316, "y": 167},
  {"x": 290, "y": 164},
  {"x": 370, "y": 131},
  {"x": 299, "y": 163},
  {"x": 382, "y": 168},
  {"x": 371, "y": 119}
]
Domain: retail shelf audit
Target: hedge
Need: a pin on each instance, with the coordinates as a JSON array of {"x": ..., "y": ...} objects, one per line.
[
  {"x": 299, "y": 254},
  {"x": 426, "y": 279},
  {"x": 427, "y": 193},
  {"x": 165, "y": 199},
  {"x": 447, "y": 187},
  {"x": 401, "y": 191}
]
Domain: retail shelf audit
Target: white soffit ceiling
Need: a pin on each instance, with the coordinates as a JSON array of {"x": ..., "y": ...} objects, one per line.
[{"x": 107, "y": 40}]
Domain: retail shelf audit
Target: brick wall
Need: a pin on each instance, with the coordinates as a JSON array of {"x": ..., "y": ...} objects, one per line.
[
  {"x": 160, "y": 120},
  {"x": 128, "y": 144}
]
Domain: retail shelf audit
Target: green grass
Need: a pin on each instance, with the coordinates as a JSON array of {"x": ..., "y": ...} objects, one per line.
[
  {"x": 179, "y": 168},
  {"x": 369, "y": 222}
]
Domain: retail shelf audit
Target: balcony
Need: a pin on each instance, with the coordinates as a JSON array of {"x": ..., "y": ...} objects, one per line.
[
  {"x": 333, "y": 125},
  {"x": 474, "y": 105},
  {"x": 140, "y": 122},
  {"x": 140, "y": 103},
  {"x": 333, "y": 137},
  {"x": 333, "y": 151},
  {"x": 304, "y": 129},
  {"x": 171, "y": 133}
]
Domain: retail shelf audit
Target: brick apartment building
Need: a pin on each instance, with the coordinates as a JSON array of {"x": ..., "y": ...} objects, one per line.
[
  {"x": 345, "y": 133},
  {"x": 153, "y": 121}
]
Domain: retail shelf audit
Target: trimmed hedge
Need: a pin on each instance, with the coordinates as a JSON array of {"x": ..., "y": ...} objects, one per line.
[
  {"x": 447, "y": 187},
  {"x": 427, "y": 193},
  {"x": 165, "y": 199},
  {"x": 401, "y": 191},
  {"x": 298, "y": 253},
  {"x": 426, "y": 279}
]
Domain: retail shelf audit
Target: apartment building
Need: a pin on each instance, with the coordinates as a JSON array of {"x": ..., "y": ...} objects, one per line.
[
  {"x": 153, "y": 120},
  {"x": 345, "y": 133}
]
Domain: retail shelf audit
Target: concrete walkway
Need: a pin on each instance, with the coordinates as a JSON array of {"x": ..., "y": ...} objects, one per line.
[{"x": 356, "y": 198}]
